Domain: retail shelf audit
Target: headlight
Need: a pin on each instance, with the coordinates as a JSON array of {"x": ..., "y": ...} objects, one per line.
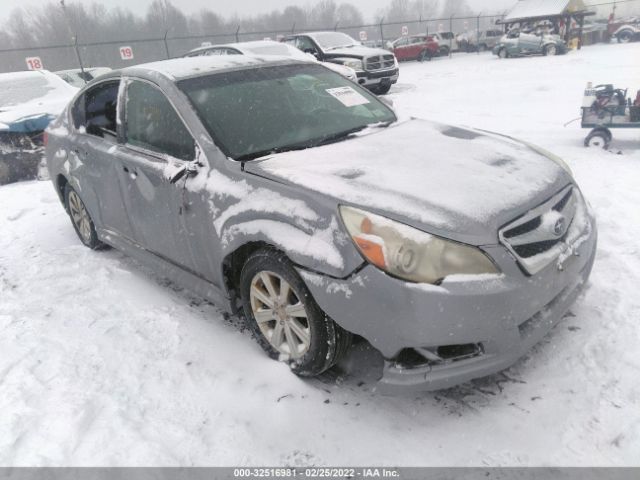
[
  {"x": 354, "y": 63},
  {"x": 408, "y": 253}
]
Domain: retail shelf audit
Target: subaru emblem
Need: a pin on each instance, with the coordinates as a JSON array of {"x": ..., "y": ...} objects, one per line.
[{"x": 558, "y": 228}]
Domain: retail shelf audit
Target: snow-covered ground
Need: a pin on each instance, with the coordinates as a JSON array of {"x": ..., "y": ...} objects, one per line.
[{"x": 104, "y": 363}]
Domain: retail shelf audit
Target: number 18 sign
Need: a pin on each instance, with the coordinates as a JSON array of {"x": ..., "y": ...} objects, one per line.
[
  {"x": 126, "y": 53},
  {"x": 34, "y": 63}
]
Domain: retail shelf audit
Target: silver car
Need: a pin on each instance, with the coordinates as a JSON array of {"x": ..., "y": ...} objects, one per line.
[{"x": 282, "y": 191}]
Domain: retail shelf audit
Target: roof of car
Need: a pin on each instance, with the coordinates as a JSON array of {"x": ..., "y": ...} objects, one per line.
[{"x": 186, "y": 67}]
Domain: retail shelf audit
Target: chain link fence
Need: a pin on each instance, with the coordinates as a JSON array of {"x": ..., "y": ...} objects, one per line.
[{"x": 128, "y": 51}]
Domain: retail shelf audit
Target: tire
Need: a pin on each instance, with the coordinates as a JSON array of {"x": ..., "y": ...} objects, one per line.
[
  {"x": 482, "y": 48},
  {"x": 625, "y": 36},
  {"x": 80, "y": 219},
  {"x": 381, "y": 90},
  {"x": 550, "y": 50},
  {"x": 317, "y": 341},
  {"x": 598, "y": 138},
  {"x": 444, "y": 51},
  {"x": 502, "y": 53}
]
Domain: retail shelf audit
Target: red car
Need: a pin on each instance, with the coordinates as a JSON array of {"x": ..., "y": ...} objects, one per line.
[{"x": 415, "y": 47}]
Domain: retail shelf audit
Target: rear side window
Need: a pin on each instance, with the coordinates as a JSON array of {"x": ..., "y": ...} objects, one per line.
[
  {"x": 95, "y": 110},
  {"x": 153, "y": 124}
]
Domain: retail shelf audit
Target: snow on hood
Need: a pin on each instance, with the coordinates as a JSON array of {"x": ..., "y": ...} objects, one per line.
[
  {"x": 30, "y": 100},
  {"x": 356, "y": 51},
  {"x": 457, "y": 182}
]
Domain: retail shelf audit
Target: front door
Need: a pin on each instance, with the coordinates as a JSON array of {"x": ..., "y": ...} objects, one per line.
[{"x": 156, "y": 143}]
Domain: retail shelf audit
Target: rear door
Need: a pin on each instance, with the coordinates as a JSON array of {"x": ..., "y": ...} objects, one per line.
[
  {"x": 156, "y": 143},
  {"x": 401, "y": 49},
  {"x": 94, "y": 140}
]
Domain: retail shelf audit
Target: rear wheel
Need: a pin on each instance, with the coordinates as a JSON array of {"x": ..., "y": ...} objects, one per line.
[
  {"x": 625, "y": 36},
  {"x": 502, "y": 53},
  {"x": 80, "y": 218},
  {"x": 550, "y": 50},
  {"x": 285, "y": 319},
  {"x": 482, "y": 48},
  {"x": 444, "y": 51}
]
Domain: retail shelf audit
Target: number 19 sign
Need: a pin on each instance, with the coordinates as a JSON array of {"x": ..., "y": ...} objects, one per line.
[
  {"x": 34, "y": 63},
  {"x": 126, "y": 53}
]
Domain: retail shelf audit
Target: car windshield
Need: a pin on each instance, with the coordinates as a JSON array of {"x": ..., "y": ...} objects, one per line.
[
  {"x": 17, "y": 88},
  {"x": 329, "y": 40},
  {"x": 255, "y": 112},
  {"x": 270, "y": 49}
]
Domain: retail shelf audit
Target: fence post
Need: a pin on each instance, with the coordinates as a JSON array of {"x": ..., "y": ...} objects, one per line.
[
  {"x": 293, "y": 28},
  {"x": 382, "y": 32},
  {"x": 75, "y": 46},
  {"x": 166, "y": 44},
  {"x": 478, "y": 34},
  {"x": 238, "y": 34},
  {"x": 451, "y": 39},
  {"x": 335, "y": 28}
]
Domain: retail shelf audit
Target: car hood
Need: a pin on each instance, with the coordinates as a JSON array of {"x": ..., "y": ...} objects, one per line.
[
  {"x": 455, "y": 182},
  {"x": 35, "y": 115},
  {"x": 358, "y": 51}
]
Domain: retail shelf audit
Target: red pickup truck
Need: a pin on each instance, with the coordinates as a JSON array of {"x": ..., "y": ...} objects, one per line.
[{"x": 415, "y": 47}]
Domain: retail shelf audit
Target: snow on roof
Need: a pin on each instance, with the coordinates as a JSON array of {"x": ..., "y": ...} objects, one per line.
[
  {"x": 178, "y": 68},
  {"x": 543, "y": 8}
]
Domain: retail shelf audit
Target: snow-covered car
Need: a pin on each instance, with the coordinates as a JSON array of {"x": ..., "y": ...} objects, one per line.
[
  {"x": 415, "y": 47},
  {"x": 628, "y": 32},
  {"x": 452, "y": 251},
  {"x": 28, "y": 102},
  {"x": 79, "y": 78},
  {"x": 269, "y": 47},
  {"x": 517, "y": 44},
  {"x": 377, "y": 69}
]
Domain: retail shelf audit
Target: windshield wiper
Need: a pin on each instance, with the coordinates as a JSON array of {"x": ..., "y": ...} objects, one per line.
[
  {"x": 318, "y": 142},
  {"x": 351, "y": 45}
]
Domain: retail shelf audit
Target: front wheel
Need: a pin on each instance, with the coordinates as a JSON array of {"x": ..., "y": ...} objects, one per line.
[
  {"x": 381, "y": 89},
  {"x": 550, "y": 50},
  {"x": 599, "y": 139},
  {"x": 81, "y": 220},
  {"x": 502, "y": 53},
  {"x": 285, "y": 319}
]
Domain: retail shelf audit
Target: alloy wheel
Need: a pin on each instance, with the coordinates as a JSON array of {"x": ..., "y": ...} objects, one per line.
[
  {"x": 280, "y": 314},
  {"x": 80, "y": 216}
]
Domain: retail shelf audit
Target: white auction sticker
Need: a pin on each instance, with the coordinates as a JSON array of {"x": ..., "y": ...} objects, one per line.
[{"x": 347, "y": 96}]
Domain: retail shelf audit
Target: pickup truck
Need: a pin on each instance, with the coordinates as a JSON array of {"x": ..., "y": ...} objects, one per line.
[{"x": 377, "y": 69}]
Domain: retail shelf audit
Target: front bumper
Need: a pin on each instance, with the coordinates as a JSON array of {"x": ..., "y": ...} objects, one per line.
[
  {"x": 372, "y": 79},
  {"x": 505, "y": 315}
]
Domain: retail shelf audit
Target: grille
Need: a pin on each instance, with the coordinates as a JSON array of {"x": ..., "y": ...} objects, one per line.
[
  {"x": 542, "y": 234},
  {"x": 379, "y": 62}
]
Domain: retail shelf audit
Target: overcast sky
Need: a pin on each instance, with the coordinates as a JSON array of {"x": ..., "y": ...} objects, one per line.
[{"x": 243, "y": 7}]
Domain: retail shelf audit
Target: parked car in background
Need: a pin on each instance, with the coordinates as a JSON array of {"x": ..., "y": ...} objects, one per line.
[
  {"x": 79, "y": 78},
  {"x": 452, "y": 251},
  {"x": 628, "y": 32},
  {"x": 415, "y": 47},
  {"x": 268, "y": 47},
  {"x": 516, "y": 44},
  {"x": 377, "y": 69},
  {"x": 447, "y": 41},
  {"x": 28, "y": 102},
  {"x": 486, "y": 41}
]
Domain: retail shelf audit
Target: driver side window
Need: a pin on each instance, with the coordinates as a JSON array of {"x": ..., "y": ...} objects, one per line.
[{"x": 153, "y": 124}]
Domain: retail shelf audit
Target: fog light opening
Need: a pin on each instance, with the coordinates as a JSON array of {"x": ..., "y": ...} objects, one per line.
[{"x": 431, "y": 356}]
